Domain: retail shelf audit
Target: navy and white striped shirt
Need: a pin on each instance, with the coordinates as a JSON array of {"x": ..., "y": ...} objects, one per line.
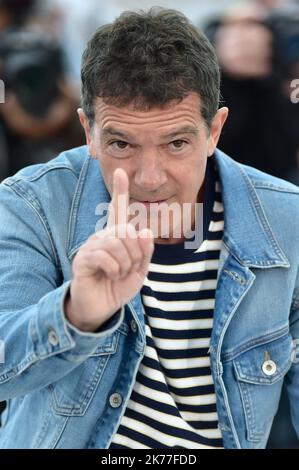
[{"x": 173, "y": 403}]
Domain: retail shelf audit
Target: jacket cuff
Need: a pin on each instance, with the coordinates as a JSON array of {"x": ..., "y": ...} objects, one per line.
[{"x": 53, "y": 334}]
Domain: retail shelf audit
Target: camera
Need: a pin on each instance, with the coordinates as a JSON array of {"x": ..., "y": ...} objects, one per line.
[{"x": 30, "y": 66}]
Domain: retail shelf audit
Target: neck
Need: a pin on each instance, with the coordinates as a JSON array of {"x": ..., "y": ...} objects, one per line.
[{"x": 171, "y": 240}]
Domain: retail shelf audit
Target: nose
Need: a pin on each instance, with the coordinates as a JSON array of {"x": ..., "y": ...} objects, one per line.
[{"x": 150, "y": 174}]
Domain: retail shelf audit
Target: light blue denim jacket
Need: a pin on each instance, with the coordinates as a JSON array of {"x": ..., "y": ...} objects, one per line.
[{"x": 60, "y": 383}]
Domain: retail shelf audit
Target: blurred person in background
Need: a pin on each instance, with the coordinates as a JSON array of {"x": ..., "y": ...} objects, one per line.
[
  {"x": 37, "y": 115},
  {"x": 72, "y": 24},
  {"x": 258, "y": 49}
]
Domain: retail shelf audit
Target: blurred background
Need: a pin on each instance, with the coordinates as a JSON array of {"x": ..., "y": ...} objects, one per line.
[{"x": 257, "y": 43}]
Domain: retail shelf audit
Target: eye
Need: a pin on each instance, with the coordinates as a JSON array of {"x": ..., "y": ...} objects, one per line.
[
  {"x": 178, "y": 144},
  {"x": 119, "y": 145}
]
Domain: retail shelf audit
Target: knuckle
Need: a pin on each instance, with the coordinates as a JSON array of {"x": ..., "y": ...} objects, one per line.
[
  {"x": 136, "y": 257},
  {"x": 127, "y": 264},
  {"x": 114, "y": 269},
  {"x": 114, "y": 245}
]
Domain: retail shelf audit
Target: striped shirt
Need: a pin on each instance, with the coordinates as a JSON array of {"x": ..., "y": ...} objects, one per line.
[{"x": 173, "y": 402}]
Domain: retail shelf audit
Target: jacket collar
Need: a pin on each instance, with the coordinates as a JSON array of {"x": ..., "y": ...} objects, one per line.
[
  {"x": 90, "y": 192},
  {"x": 247, "y": 233}
]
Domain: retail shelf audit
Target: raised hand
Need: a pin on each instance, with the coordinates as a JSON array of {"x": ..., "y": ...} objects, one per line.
[{"x": 110, "y": 267}]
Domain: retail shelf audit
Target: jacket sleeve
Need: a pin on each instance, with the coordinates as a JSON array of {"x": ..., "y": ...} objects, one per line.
[
  {"x": 37, "y": 344},
  {"x": 292, "y": 379}
]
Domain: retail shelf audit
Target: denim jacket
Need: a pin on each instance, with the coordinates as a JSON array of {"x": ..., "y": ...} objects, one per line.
[{"x": 69, "y": 389}]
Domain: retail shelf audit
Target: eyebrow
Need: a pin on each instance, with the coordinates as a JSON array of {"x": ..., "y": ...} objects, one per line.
[
  {"x": 183, "y": 130},
  {"x": 110, "y": 131}
]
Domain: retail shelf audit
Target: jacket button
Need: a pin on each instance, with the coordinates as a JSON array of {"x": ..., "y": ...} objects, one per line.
[
  {"x": 53, "y": 338},
  {"x": 269, "y": 367},
  {"x": 133, "y": 326},
  {"x": 115, "y": 400}
]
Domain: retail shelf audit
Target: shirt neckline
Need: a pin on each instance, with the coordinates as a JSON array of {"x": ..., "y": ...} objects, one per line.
[{"x": 178, "y": 250}]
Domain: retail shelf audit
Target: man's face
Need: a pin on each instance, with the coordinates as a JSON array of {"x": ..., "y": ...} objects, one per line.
[{"x": 164, "y": 151}]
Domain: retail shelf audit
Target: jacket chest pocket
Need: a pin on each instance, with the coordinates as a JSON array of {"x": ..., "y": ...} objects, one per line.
[
  {"x": 260, "y": 372},
  {"x": 72, "y": 395}
]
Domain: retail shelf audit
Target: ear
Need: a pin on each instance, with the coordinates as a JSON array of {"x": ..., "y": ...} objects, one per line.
[
  {"x": 216, "y": 128},
  {"x": 88, "y": 132}
]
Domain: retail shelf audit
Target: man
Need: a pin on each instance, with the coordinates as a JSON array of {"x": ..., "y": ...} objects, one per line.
[{"x": 126, "y": 338}]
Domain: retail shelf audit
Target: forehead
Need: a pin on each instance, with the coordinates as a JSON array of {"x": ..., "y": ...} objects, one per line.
[{"x": 186, "y": 112}]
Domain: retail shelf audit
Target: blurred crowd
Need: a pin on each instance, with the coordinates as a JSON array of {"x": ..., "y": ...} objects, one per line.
[
  {"x": 258, "y": 49},
  {"x": 257, "y": 43},
  {"x": 38, "y": 118}
]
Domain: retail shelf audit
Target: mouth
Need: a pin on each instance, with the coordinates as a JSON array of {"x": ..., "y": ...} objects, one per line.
[{"x": 148, "y": 203}]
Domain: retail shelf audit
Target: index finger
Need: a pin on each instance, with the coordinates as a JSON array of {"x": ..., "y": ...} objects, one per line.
[{"x": 118, "y": 208}]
